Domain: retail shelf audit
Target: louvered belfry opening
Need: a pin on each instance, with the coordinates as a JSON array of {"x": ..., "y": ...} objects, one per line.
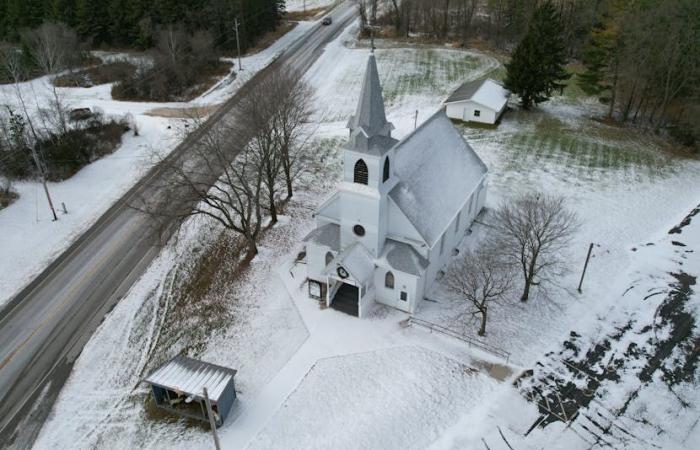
[{"x": 361, "y": 173}]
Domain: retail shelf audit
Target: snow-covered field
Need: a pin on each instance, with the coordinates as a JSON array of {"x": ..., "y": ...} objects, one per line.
[
  {"x": 315, "y": 378},
  {"x": 29, "y": 239}
]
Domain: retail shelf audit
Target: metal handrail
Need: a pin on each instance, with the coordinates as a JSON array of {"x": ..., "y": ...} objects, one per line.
[{"x": 457, "y": 335}]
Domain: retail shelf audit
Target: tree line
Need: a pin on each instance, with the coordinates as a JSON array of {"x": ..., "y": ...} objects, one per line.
[
  {"x": 501, "y": 22},
  {"x": 135, "y": 23},
  {"x": 642, "y": 59}
]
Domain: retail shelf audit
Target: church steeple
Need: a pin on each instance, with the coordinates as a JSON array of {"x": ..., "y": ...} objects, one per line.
[{"x": 370, "y": 116}]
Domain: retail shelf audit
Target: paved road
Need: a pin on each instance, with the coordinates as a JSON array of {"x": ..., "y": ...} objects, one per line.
[{"x": 45, "y": 327}]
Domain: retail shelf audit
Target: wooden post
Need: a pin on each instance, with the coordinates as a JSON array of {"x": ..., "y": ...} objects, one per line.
[
  {"x": 585, "y": 266},
  {"x": 212, "y": 422}
]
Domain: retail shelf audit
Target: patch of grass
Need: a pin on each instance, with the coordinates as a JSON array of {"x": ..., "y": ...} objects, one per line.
[
  {"x": 431, "y": 71},
  {"x": 301, "y": 15},
  {"x": 93, "y": 76},
  {"x": 270, "y": 37},
  {"x": 166, "y": 85},
  {"x": 577, "y": 148},
  {"x": 7, "y": 196}
]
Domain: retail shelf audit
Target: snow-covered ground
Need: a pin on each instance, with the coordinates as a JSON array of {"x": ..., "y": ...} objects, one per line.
[
  {"x": 313, "y": 378},
  {"x": 299, "y": 5},
  {"x": 29, "y": 239},
  {"x": 635, "y": 391}
]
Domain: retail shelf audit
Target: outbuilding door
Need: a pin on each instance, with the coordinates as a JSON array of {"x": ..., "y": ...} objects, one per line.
[{"x": 347, "y": 299}]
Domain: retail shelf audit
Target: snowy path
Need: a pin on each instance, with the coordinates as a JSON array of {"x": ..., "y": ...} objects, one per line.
[{"x": 331, "y": 334}]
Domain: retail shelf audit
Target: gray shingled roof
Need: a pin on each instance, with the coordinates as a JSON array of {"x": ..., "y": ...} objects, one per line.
[
  {"x": 327, "y": 235},
  {"x": 402, "y": 257},
  {"x": 370, "y": 115},
  {"x": 376, "y": 145},
  {"x": 484, "y": 91},
  {"x": 438, "y": 170},
  {"x": 465, "y": 91},
  {"x": 190, "y": 376}
]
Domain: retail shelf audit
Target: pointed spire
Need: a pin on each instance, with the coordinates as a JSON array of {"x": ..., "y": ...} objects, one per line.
[{"x": 370, "y": 115}]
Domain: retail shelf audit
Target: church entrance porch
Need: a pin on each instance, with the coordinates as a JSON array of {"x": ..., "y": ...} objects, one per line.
[{"x": 347, "y": 299}]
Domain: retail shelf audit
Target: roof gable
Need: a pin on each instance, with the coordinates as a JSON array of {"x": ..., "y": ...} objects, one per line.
[
  {"x": 438, "y": 170},
  {"x": 486, "y": 92}
]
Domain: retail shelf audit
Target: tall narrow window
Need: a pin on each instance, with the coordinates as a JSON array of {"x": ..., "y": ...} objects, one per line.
[
  {"x": 459, "y": 214},
  {"x": 361, "y": 174},
  {"x": 389, "y": 280},
  {"x": 329, "y": 258},
  {"x": 442, "y": 244},
  {"x": 386, "y": 169}
]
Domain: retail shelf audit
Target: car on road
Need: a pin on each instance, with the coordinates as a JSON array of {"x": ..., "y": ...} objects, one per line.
[{"x": 327, "y": 21}]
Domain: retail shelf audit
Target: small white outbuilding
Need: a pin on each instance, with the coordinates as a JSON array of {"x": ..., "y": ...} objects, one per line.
[{"x": 480, "y": 101}]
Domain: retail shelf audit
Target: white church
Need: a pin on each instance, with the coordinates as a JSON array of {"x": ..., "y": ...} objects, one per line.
[{"x": 401, "y": 209}]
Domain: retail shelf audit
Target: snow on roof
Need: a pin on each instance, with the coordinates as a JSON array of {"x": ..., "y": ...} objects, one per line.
[
  {"x": 486, "y": 92},
  {"x": 370, "y": 115},
  {"x": 356, "y": 260},
  {"x": 187, "y": 375},
  {"x": 327, "y": 235},
  {"x": 438, "y": 170},
  {"x": 403, "y": 257},
  {"x": 375, "y": 145}
]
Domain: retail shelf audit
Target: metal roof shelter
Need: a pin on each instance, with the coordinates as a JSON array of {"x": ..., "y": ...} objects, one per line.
[{"x": 178, "y": 387}]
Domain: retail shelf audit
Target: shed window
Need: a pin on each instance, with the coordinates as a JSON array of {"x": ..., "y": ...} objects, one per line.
[
  {"x": 389, "y": 280},
  {"x": 361, "y": 174},
  {"x": 477, "y": 113},
  {"x": 386, "y": 169},
  {"x": 404, "y": 296},
  {"x": 329, "y": 258}
]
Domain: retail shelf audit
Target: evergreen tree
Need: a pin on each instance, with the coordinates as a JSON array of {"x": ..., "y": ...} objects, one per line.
[{"x": 536, "y": 68}]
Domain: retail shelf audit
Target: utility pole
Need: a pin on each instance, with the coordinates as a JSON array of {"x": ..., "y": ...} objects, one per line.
[
  {"x": 585, "y": 266},
  {"x": 212, "y": 422},
  {"x": 42, "y": 171},
  {"x": 238, "y": 46}
]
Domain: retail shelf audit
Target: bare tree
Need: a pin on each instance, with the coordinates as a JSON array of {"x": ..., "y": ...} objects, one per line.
[
  {"x": 10, "y": 58},
  {"x": 257, "y": 118},
  {"x": 54, "y": 47},
  {"x": 480, "y": 279},
  {"x": 221, "y": 180},
  {"x": 294, "y": 98},
  {"x": 531, "y": 233}
]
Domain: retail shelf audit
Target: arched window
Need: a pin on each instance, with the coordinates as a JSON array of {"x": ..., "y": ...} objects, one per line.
[
  {"x": 386, "y": 169},
  {"x": 329, "y": 258},
  {"x": 361, "y": 173},
  {"x": 389, "y": 280}
]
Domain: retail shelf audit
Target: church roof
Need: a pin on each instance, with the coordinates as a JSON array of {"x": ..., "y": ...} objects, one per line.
[
  {"x": 356, "y": 260},
  {"x": 375, "y": 145},
  {"x": 370, "y": 115},
  {"x": 402, "y": 257},
  {"x": 438, "y": 170},
  {"x": 327, "y": 235}
]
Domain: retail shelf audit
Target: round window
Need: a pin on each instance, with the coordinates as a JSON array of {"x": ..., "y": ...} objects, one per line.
[
  {"x": 359, "y": 230},
  {"x": 342, "y": 273}
]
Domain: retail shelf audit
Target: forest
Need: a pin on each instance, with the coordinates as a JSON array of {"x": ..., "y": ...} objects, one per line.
[
  {"x": 135, "y": 23},
  {"x": 641, "y": 58}
]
